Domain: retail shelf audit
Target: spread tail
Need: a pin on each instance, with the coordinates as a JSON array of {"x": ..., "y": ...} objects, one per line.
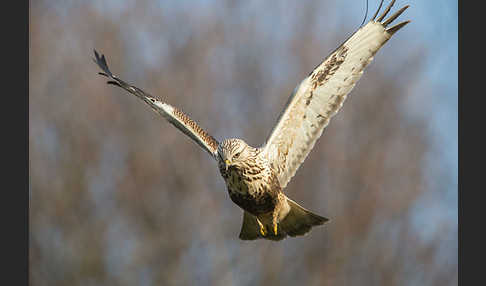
[{"x": 298, "y": 221}]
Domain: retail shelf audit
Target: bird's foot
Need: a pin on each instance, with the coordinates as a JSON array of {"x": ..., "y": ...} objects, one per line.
[
  {"x": 263, "y": 232},
  {"x": 275, "y": 227}
]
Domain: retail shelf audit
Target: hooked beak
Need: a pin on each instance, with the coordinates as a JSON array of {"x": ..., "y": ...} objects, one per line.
[{"x": 227, "y": 163}]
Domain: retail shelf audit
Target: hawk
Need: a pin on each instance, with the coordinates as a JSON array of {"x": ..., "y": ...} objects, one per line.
[{"x": 256, "y": 177}]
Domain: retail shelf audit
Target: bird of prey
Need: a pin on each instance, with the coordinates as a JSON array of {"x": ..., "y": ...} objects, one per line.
[{"x": 256, "y": 177}]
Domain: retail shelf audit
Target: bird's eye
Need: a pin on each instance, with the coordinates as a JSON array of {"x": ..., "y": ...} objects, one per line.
[{"x": 237, "y": 155}]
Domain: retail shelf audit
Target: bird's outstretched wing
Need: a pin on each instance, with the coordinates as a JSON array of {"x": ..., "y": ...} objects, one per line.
[
  {"x": 322, "y": 93},
  {"x": 172, "y": 114}
]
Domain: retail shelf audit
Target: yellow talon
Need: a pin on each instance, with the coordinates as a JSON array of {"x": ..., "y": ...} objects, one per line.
[
  {"x": 275, "y": 229},
  {"x": 262, "y": 228},
  {"x": 262, "y": 231}
]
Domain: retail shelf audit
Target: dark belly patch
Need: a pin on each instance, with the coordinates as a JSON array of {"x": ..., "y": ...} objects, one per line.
[{"x": 254, "y": 204}]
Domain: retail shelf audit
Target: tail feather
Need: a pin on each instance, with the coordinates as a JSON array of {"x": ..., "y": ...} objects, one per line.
[
  {"x": 249, "y": 228},
  {"x": 298, "y": 221}
]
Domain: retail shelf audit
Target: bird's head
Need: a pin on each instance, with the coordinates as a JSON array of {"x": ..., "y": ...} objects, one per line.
[{"x": 232, "y": 152}]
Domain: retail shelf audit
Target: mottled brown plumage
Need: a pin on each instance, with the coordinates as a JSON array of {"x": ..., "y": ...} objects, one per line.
[
  {"x": 253, "y": 185},
  {"x": 255, "y": 177}
]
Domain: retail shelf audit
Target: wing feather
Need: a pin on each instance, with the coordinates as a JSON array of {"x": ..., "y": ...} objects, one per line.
[
  {"x": 175, "y": 116},
  {"x": 320, "y": 96}
]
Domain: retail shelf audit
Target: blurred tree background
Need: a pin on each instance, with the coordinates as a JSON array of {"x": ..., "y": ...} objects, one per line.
[{"x": 120, "y": 197}]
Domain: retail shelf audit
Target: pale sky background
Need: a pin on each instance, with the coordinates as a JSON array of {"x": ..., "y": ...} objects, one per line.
[
  {"x": 434, "y": 29},
  {"x": 434, "y": 26}
]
